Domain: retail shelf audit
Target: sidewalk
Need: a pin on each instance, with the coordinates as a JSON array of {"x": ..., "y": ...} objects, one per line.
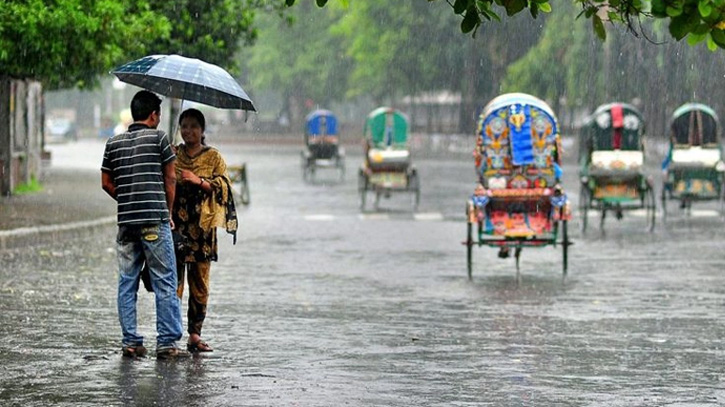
[{"x": 71, "y": 202}]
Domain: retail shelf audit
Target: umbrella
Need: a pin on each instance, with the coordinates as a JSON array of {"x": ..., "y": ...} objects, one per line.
[{"x": 185, "y": 78}]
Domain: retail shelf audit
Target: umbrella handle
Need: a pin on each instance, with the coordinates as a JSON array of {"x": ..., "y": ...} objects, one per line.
[{"x": 175, "y": 126}]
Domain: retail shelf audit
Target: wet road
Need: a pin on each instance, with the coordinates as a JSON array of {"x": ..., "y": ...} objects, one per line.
[{"x": 318, "y": 305}]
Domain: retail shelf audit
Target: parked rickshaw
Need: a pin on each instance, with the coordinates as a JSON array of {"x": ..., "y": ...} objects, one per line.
[
  {"x": 238, "y": 175},
  {"x": 611, "y": 155},
  {"x": 322, "y": 145},
  {"x": 518, "y": 201},
  {"x": 387, "y": 167},
  {"x": 694, "y": 168}
]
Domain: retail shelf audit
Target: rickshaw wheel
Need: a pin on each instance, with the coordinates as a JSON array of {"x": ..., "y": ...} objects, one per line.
[
  {"x": 722, "y": 198},
  {"x": 651, "y": 208},
  {"x": 584, "y": 203},
  {"x": 414, "y": 185},
  {"x": 362, "y": 186},
  {"x": 244, "y": 185},
  {"x": 663, "y": 201},
  {"x": 469, "y": 250},
  {"x": 304, "y": 164},
  {"x": 517, "y": 256},
  {"x": 341, "y": 166},
  {"x": 564, "y": 246}
]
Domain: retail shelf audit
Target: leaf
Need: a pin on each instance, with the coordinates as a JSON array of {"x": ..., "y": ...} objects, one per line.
[
  {"x": 515, "y": 6},
  {"x": 718, "y": 36},
  {"x": 598, "y": 25},
  {"x": 704, "y": 7},
  {"x": 659, "y": 8},
  {"x": 684, "y": 24},
  {"x": 694, "y": 39},
  {"x": 545, "y": 7},
  {"x": 677, "y": 29},
  {"x": 673, "y": 11},
  {"x": 460, "y": 6},
  {"x": 711, "y": 44},
  {"x": 470, "y": 21},
  {"x": 289, "y": 3},
  {"x": 321, "y": 3},
  {"x": 701, "y": 29}
]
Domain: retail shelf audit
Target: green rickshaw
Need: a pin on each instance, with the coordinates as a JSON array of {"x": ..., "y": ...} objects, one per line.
[
  {"x": 693, "y": 169},
  {"x": 387, "y": 167},
  {"x": 612, "y": 159}
]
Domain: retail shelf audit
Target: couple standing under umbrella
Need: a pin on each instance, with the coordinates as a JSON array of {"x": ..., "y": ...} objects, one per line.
[{"x": 159, "y": 188}]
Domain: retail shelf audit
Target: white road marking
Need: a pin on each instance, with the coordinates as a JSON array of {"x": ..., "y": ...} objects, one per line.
[
  {"x": 320, "y": 217},
  {"x": 430, "y": 216},
  {"x": 374, "y": 216}
]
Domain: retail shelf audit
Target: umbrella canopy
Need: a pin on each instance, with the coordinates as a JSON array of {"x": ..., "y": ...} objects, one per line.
[{"x": 185, "y": 78}]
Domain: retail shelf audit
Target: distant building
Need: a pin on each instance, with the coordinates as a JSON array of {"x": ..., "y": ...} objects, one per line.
[
  {"x": 21, "y": 132},
  {"x": 433, "y": 112}
]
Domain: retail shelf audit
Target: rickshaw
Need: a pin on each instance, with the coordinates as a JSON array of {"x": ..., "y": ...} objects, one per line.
[
  {"x": 322, "y": 149},
  {"x": 518, "y": 201},
  {"x": 238, "y": 175},
  {"x": 387, "y": 166},
  {"x": 611, "y": 155},
  {"x": 693, "y": 169}
]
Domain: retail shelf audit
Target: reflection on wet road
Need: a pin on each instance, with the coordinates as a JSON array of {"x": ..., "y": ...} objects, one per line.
[{"x": 319, "y": 306}]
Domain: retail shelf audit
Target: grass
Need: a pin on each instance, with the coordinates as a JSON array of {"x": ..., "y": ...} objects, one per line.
[{"x": 28, "y": 188}]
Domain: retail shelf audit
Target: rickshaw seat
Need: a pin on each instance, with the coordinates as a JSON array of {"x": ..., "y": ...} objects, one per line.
[
  {"x": 696, "y": 155},
  {"x": 617, "y": 159},
  {"x": 388, "y": 159}
]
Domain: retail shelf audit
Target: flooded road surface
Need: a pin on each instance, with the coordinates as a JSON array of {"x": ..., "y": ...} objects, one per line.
[{"x": 319, "y": 305}]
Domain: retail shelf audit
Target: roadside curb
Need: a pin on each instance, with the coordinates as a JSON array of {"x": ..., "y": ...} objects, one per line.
[{"x": 14, "y": 238}]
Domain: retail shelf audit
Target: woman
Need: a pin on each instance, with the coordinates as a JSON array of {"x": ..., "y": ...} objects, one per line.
[{"x": 203, "y": 202}]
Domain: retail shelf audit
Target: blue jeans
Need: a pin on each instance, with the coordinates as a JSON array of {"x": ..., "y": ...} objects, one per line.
[{"x": 151, "y": 244}]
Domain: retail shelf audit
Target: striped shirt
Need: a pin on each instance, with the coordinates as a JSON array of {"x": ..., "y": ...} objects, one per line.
[{"x": 134, "y": 160}]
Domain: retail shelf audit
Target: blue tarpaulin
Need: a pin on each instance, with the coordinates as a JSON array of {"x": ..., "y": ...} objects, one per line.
[{"x": 321, "y": 122}]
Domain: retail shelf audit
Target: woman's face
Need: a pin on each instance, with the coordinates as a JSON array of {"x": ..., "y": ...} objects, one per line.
[{"x": 191, "y": 131}]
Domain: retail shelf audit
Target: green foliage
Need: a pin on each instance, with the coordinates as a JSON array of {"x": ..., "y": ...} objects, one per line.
[
  {"x": 211, "y": 30},
  {"x": 66, "y": 43},
  {"x": 397, "y": 46},
  {"x": 704, "y": 19},
  {"x": 28, "y": 188},
  {"x": 299, "y": 56}
]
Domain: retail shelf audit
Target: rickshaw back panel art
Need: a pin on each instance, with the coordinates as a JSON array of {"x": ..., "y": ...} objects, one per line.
[
  {"x": 518, "y": 201},
  {"x": 612, "y": 159},
  {"x": 693, "y": 169}
]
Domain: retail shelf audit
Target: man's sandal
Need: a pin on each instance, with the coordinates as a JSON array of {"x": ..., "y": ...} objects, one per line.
[
  {"x": 138, "y": 351},
  {"x": 199, "y": 347}
]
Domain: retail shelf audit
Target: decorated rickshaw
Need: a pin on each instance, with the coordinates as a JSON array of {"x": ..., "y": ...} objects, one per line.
[
  {"x": 693, "y": 169},
  {"x": 518, "y": 201},
  {"x": 322, "y": 145},
  {"x": 387, "y": 166},
  {"x": 612, "y": 159}
]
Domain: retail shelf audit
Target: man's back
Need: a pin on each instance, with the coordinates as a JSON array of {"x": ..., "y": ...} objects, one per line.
[{"x": 134, "y": 160}]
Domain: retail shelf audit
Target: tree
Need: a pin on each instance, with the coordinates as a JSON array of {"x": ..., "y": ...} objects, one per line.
[
  {"x": 700, "y": 20},
  {"x": 212, "y": 30},
  {"x": 300, "y": 59},
  {"x": 68, "y": 43}
]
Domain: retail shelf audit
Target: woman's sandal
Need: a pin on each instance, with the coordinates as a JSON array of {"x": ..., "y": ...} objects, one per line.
[{"x": 199, "y": 347}]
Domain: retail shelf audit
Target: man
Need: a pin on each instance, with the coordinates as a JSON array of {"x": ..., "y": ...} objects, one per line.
[{"x": 138, "y": 172}]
